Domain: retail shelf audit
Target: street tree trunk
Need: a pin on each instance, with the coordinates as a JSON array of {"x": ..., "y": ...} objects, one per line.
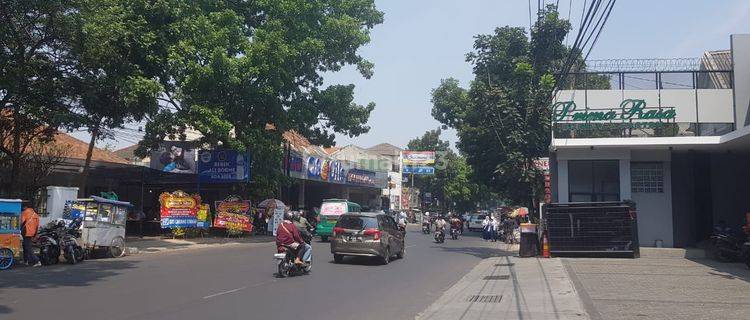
[
  {"x": 87, "y": 163},
  {"x": 15, "y": 156}
]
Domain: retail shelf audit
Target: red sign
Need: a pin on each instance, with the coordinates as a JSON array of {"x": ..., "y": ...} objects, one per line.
[
  {"x": 233, "y": 213},
  {"x": 179, "y": 204}
]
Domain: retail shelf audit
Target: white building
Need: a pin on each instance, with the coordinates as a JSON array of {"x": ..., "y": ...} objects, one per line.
[
  {"x": 393, "y": 153},
  {"x": 671, "y": 135}
]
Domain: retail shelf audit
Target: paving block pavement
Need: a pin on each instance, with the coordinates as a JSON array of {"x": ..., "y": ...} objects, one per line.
[
  {"x": 510, "y": 288},
  {"x": 158, "y": 244}
]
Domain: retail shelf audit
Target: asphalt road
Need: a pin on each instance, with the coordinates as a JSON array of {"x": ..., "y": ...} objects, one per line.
[{"x": 238, "y": 283}]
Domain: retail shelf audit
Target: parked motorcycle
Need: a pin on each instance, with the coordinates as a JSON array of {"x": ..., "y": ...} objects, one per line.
[
  {"x": 286, "y": 266},
  {"x": 454, "y": 233},
  {"x": 48, "y": 242},
  {"x": 439, "y": 236},
  {"x": 730, "y": 246},
  {"x": 72, "y": 251}
]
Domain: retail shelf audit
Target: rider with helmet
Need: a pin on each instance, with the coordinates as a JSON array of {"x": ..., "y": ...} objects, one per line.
[{"x": 289, "y": 238}]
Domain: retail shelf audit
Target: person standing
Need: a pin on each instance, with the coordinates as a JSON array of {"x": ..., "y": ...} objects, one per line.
[
  {"x": 29, "y": 228},
  {"x": 140, "y": 216},
  {"x": 486, "y": 225},
  {"x": 495, "y": 228}
]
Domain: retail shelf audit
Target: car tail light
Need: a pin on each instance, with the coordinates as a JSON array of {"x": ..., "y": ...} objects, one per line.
[
  {"x": 375, "y": 233},
  {"x": 337, "y": 231}
]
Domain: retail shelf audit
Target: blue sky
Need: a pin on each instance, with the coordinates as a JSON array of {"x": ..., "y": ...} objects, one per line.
[{"x": 423, "y": 41}]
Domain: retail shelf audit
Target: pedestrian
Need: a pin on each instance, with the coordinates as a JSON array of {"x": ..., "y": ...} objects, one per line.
[
  {"x": 486, "y": 224},
  {"x": 140, "y": 216},
  {"x": 29, "y": 228},
  {"x": 495, "y": 227}
]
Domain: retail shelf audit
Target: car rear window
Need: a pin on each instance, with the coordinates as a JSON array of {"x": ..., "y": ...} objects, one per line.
[
  {"x": 480, "y": 217},
  {"x": 357, "y": 222}
]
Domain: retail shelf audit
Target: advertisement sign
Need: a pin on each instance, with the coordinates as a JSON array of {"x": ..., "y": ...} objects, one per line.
[
  {"x": 360, "y": 177},
  {"x": 233, "y": 212},
  {"x": 294, "y": 163},
  {"x": 333, "y": 208},
  {"x": 202, "y": 217},
  {"x": 542, "y": 164},
  {"x": 174, "y": 157},
  {"x": 179, "y": 209},
  {"x": 314, "y": 167},
  {"x": 217, "y": 166},
  {"x": 418, "y": 158},
  {"x": 419, "y": 170}
]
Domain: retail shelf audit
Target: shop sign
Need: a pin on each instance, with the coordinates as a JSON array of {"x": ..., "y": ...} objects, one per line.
[
  {"x": 542, "y": 164},
  {"x": 419, "y": 170},
  {"x": 418, "y": 157},
  {"x": 233, "y": 212},
  {"x": 295, "y": 163},
  {"x": 629, "y": 109},
  {"x": 336, "y": 172},
  {"x": 179, "y": 209},
  {"x": 217, "y": 166},
  {"x": 360, "y": 177}
]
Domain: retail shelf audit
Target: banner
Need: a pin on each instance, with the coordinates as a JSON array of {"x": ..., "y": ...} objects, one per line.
[
  {"x": 174, "y": 157},
  {"x": 418, "y": 158},
  {"x": 360, "y": 177},
  {"x": 233, "y": 212},
  {"x": 314, "y": 167},
  {"x": 203, "y": 220},
  {"x": 179, "y": 209},
  {"x": 419, "y": 170},
  {"x": 336, "y": 172},
  {"x": 217, "y": 166}
]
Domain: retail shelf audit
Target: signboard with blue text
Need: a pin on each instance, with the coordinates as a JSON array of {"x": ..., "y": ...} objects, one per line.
[
  {"x": 220, "y": 166},
  {"x": 419, "y": 170}
]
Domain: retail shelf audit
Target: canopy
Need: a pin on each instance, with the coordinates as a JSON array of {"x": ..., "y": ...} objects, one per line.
[
  {"x": 520, "y": 212},
  {"x": 114, "y": 202},
  {"x": 271, "y": 203}
]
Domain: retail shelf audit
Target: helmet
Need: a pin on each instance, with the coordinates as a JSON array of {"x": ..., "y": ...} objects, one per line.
[
  {"x": 288, "y": 215},
  {"x": 295, "y": 216}
]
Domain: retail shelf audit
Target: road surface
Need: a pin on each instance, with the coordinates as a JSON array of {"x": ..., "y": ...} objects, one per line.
[{"x": 238, "y": 283}]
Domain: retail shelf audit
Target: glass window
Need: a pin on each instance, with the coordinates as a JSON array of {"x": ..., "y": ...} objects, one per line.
[
  {"x": 357, "y": 222},
  {"x": 594, "y": 180},
  {"x": 647, "y": 177},
  {"x": 91, "y": 211},
  {"x": 105, "y": 212},
  {"x": 121, "y": 215}
]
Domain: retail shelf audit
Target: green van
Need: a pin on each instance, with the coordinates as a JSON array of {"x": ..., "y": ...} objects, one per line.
[{"x": 330, "y": 211}]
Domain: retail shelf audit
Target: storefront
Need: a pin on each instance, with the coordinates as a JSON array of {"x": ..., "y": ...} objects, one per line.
[{"x": 671, "y": 136}]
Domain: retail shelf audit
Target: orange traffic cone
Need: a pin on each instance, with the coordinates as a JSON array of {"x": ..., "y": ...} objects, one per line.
[{"x": 545, "y": 246}]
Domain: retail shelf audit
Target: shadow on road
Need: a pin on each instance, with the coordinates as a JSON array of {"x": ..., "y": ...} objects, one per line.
[
  {"x": 361, "y": 261},
  {"x": 4, "y": 309},
  {"x": 63, "y": 275},
  {"x": 479, "y": 252},
  {"x": 726, "y": 270}
]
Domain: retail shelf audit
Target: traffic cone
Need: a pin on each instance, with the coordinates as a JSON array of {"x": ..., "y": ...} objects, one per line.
[{"x": 545, "y": 246}]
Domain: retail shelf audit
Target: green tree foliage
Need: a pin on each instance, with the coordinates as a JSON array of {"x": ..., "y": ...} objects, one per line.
[
  {"x": 453, "y": 184},
  {"x": 503, "y": 119},
  {"x": 33, "y": 98},
  {"x": 230, "y": 68}
]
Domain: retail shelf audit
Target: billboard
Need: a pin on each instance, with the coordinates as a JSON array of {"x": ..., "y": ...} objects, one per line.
[
  {"x": 217, "y": 166},
  {"x": 174, "y": 157},
  {"x": 418, "y": 158},
  {"x": 419, "y": 170}
]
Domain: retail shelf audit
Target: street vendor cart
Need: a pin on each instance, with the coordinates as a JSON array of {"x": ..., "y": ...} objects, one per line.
[
  {"x": 103, "y": 223},
  {"x": 10, "y": 231}
]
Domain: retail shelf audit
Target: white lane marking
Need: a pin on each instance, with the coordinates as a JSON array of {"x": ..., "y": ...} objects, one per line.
[
  {"x": 414, "y": 245},
  {"x": 224, "y": 292}
]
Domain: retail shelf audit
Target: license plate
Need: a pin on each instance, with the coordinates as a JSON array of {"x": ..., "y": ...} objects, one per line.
[{"x": 353, "y": 238}]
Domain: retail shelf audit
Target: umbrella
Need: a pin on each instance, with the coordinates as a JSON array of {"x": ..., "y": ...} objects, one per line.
[{"x": 271, "y": 203}]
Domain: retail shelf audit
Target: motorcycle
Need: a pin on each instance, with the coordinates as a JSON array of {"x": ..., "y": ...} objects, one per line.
[
  {"x": 728, "y": 246},
  {"x": 426, "y": 228},
  {"x": 48, "y": 242},
  {"x": 454, "y": 233},
  {"x": 285, "y": 262},
  {"x": 72, "y": 251},
  {"x": 439, "y": 236}
]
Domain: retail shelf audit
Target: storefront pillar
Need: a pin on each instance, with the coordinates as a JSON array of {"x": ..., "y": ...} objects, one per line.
[{"x": 301, "y": 194}]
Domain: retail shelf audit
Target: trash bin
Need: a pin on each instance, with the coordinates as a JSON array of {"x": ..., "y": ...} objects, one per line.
[{"x": 529, "y": 246}]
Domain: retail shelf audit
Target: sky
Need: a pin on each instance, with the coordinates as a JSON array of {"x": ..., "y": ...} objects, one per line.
[{"x": 424, "y": 41}]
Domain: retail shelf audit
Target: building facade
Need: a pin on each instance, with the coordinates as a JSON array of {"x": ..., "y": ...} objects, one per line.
[{"x": 672, "y": 135}]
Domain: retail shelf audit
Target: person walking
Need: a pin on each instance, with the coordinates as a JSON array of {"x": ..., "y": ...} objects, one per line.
[
  {"x": 29, "y": 228},
  {"x": 495, "y": 228},
  {"x": 486, "y": 225}
]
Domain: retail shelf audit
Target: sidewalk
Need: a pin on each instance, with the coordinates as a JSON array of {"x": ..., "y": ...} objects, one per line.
[
  {"x": 662, "y": 284},
  {"x": 510, "y": 288},
  {"x": 137, "y": 245}
]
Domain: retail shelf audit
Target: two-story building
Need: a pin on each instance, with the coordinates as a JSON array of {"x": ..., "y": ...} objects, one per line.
[{"x": 672, "y": 135}]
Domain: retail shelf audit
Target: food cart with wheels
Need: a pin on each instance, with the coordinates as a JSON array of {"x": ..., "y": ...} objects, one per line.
[
  {"x": 10, "y": 231},
  {"x": 103, "y": 223}
]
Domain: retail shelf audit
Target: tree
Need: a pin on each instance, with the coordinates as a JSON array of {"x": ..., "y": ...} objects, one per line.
[
  {"x": 229, "y": 69},
  {"x": 110, "y": 87},
  {"x": 503, "y": 119},
  {"x": 33, "y": 95},
  {"x": 39, "y": 160}
]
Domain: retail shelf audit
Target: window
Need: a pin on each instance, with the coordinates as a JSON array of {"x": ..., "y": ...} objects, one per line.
[
  {"x": 105, "y": 213},
  {"x": 593, "y": 180},
  {"x": 647, "y": 177}
]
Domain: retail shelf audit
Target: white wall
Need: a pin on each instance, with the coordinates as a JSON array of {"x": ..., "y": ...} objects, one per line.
[{"x": 741, "y": 62}]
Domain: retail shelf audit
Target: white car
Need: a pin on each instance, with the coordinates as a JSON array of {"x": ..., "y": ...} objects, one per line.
[{"x": 475, "y": 222}]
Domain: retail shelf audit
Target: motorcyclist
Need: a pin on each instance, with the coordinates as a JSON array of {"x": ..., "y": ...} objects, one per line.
[
  {"x": 288, "y": 237},
  {"x": 440, "y": 224},
  {"x": 426, "y": 219},
  {"x": 456, "y": 223},
  {"x": 303, "y": 226}
]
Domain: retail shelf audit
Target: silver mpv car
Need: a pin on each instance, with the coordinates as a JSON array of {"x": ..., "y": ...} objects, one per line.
[{"x": 369, "y": 235}]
